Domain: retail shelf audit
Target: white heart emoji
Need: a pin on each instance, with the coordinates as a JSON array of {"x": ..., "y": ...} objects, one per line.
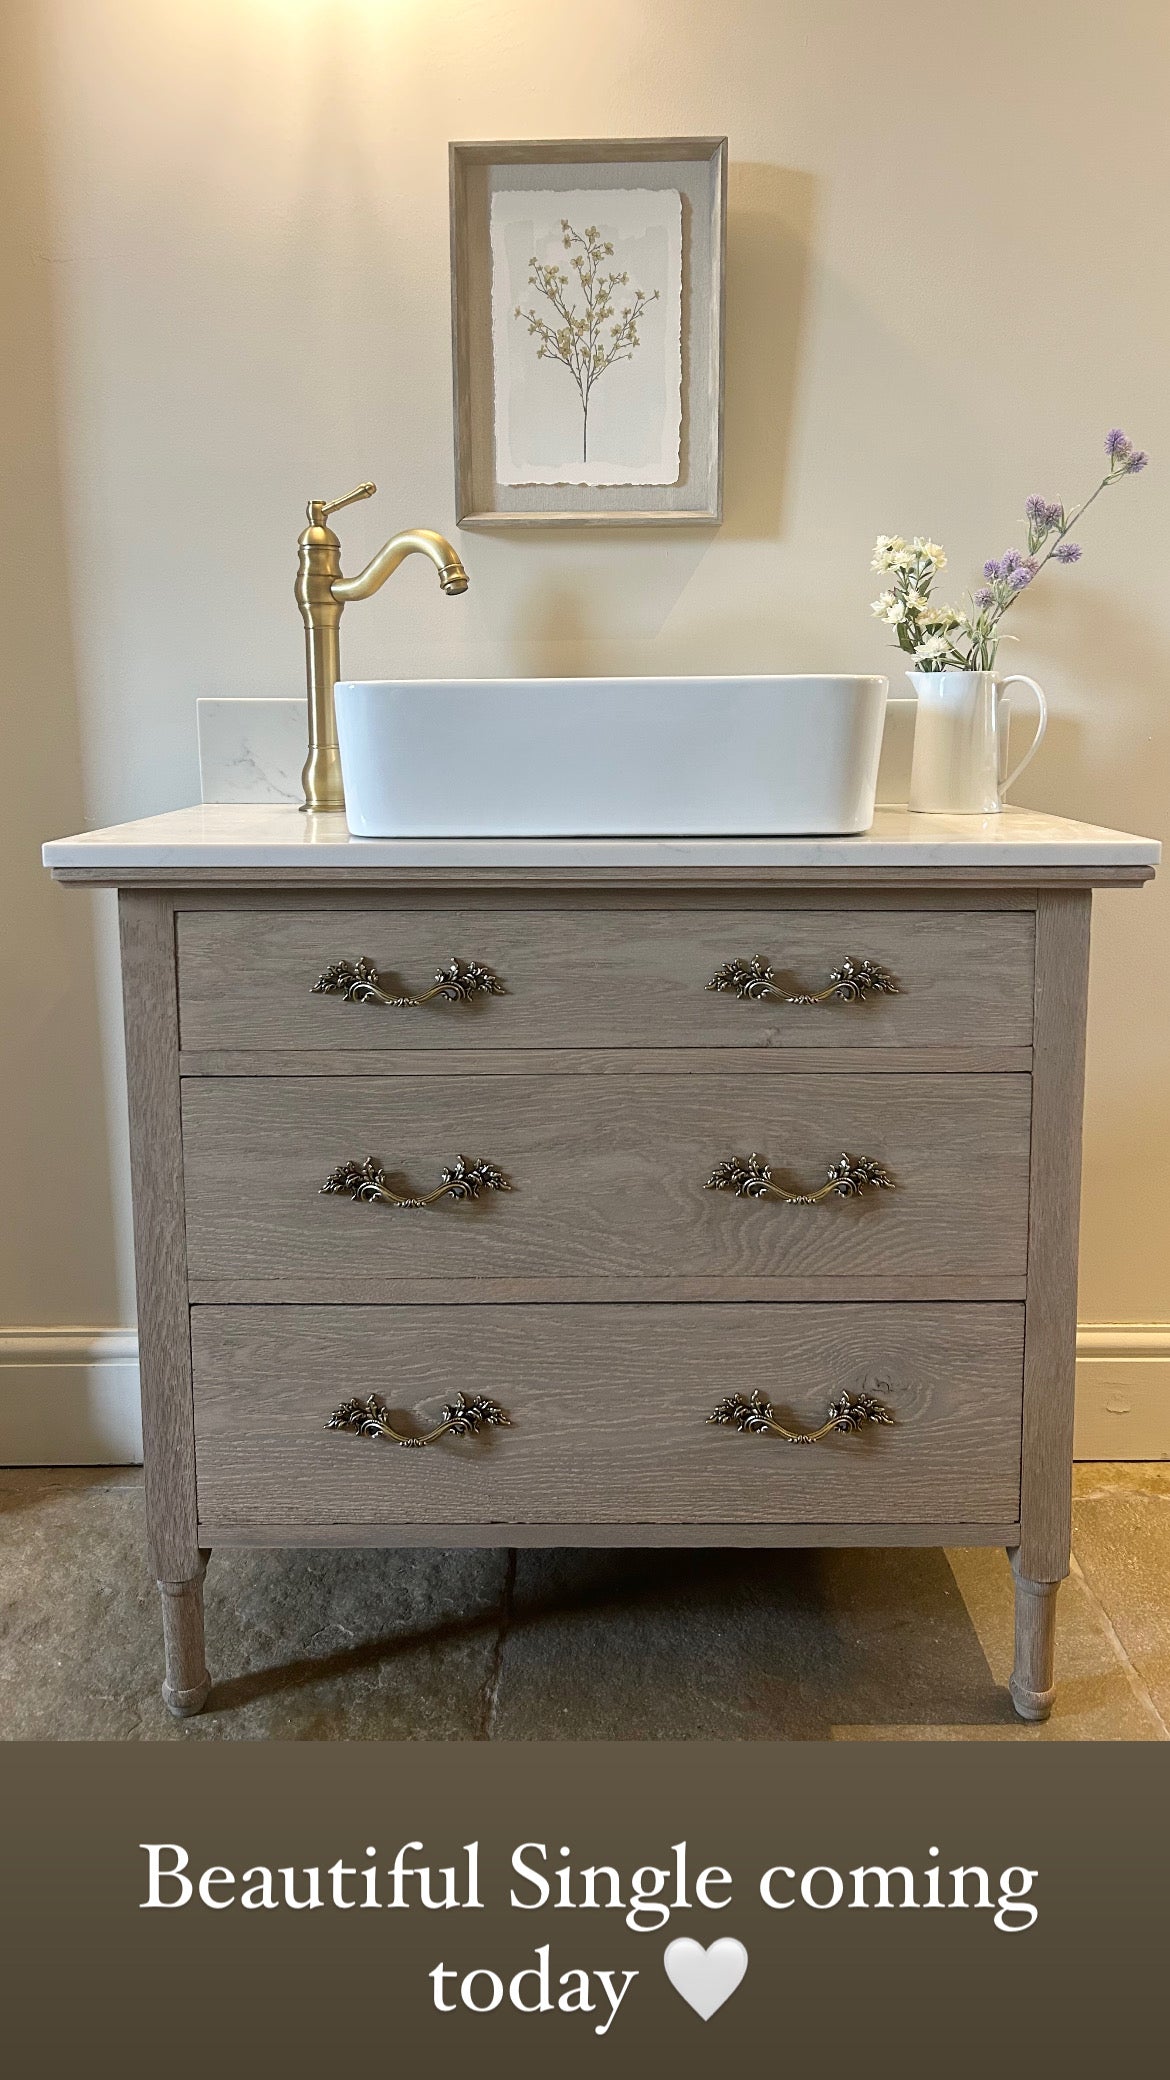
[{"x": 705, "y": 1978}]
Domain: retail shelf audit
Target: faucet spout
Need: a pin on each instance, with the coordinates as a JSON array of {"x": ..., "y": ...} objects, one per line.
[{"x": 414, "y": 541}]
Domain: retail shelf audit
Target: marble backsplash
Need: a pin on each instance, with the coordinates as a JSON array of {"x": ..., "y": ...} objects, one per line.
[{"x": 251, "y": 750}]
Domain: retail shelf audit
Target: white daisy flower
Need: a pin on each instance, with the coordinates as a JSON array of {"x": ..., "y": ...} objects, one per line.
[{"x": 885, "y": 549}]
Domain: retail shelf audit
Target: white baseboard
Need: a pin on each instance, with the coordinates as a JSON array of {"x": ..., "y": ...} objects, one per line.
[
  {"x": 1123, "y": 1392},
  {"x": 69, "y": 1397}
]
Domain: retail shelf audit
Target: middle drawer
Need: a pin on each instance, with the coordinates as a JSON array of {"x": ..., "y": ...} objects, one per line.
[{"x": 607, "y": 1178}]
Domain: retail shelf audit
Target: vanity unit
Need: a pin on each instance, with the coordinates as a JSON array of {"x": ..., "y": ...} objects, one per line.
[{"x": 606, "y": 1193}]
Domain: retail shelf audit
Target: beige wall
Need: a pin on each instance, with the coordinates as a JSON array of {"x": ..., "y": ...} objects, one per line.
[{"x": 225, "y": 278}]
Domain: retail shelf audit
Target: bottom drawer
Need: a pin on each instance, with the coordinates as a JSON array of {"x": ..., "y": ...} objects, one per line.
[{"x": 608, "y": 1411}]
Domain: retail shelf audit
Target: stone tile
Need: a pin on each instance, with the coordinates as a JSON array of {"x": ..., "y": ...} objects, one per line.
[
  {"x": 305, "y": 1645},
  {"x": 1095, "y": 1697},
  {"x": 849, "y": 1645},
  {"x": 640, "y": 1645},
  {"x": 1121, "y": 1543},
  {"x": 1093, "y": 1480}
]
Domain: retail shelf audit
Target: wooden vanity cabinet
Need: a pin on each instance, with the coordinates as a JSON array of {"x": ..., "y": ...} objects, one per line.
[{"x": 607, "y": 1296}]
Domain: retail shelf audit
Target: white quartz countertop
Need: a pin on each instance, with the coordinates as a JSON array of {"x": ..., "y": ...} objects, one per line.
[{"x": 275, "y": 836}]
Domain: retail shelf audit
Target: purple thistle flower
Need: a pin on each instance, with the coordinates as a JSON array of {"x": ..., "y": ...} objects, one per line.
[
  {"x": 991, "y": 569},
  {"x": 1044, "y": 513},
  {"x": 1020, "y": 577},
  {"x": 985, "y": 597},
  {"x": 1117, "y": 444},
  {"x": 1067, "y": 552},
  {"x": 1135, "y": 462},
  {"x": 1010, "y": 561}
]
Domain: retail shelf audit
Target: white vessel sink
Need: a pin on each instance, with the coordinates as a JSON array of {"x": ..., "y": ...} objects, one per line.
[{"x": 566, "y": 758}]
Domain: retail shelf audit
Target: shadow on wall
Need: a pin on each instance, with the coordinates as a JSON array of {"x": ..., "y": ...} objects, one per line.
[
  {"x": 58, "y": 1262},
  {"x": 770, "y": 224},
  {"x": 593, "y": 599},
  {"x": 1108, "y": 646}
]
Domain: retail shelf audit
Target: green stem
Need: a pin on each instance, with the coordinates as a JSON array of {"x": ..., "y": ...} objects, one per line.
[{"x": 1069, "y": 523}]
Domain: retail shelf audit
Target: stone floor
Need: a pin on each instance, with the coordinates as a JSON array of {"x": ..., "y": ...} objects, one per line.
[{"x": 894, "y": 1645}]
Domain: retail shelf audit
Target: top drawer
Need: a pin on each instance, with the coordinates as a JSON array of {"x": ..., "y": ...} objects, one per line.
[{"x": 604, "y": 978}]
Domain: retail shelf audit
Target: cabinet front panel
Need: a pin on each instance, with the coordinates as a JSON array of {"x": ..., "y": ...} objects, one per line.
[
  {"x": 608, "y": 1177},
  {"x": 608, "y": 1410},
  {"x": 598, "y": 978}
]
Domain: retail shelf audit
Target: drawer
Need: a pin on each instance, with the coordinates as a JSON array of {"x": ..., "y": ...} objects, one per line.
[
  {"x": 603, "y": 978},
  {"x": 609, "y": 1412},
  {"x": 608, "y": 1177}
]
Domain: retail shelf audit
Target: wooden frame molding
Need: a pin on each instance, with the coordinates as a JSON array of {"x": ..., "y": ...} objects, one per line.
[
  {"x": 698, "y": 166},
  {"x": 151, "y": 1012},
  {"x": 1058, "y": 1071}
]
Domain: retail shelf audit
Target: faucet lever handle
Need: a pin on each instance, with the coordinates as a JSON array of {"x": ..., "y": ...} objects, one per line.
[{"x": 318, "y": 509}]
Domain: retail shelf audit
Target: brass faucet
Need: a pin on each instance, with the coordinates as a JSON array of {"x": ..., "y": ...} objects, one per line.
[{"x": 321, "y": 593}]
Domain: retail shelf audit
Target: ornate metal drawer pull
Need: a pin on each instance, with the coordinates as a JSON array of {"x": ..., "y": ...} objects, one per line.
[
  {"x": 847, "y": 1413},
  {"x": 749, "y": 1177},
  {"x": 461, "y": 1418},
  {"x": 463, "y": 1180},
  {"x": 360, "y": 983},
  {"x": 854, "y": 982}
]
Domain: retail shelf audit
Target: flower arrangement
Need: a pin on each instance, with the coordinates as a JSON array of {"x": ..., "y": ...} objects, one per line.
[{"x": 954, "y": 639}]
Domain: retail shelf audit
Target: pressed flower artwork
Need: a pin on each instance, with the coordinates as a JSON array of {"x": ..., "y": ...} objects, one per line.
[{"x": 587, "y": 335}]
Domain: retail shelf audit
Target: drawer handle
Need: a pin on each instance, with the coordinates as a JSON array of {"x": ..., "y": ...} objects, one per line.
[
  {"x": 750, "y": 1178},
  {"x": 854, "y": 982},
  {"x": 359, "y": 982},
  {"x": 757, "y": 1415},
  {"x": 461, "y": 1418},
  {"x": 366, "y": 1182}
]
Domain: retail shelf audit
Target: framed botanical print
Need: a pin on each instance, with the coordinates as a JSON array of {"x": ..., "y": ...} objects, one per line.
[{"x": 587, "y": 293}]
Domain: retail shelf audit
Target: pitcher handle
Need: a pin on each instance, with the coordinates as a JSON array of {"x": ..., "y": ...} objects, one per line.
[{"x": 1021, "y": 679}]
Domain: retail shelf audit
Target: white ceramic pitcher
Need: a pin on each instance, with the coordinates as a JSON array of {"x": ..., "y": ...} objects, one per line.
[{"x": 961, "y": 741}]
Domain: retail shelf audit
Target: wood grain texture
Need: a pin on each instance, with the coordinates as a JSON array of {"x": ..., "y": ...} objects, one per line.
[
  {"x": 461, "y": 1292},
  {"x": 441, "y": 892},
  {"x": 537, "y": 151},
  {"x": 609, "y": 1535},
  {"x": 608, "y": 1177},
  {"x": 600, "y": 979},
  {"x": 609, "y": 1409},
  {"x": 186, "y": 1683},
  {"x": 1033, "y": 1691},
  {"x": 1062, "y": 982},
  {"x": 597, "y": 1061},
  {"x": 988, "y": 882},
  {"x": 156, "y": 1162}
]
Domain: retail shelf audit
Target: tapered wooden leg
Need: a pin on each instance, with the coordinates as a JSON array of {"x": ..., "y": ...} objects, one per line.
[
  {"x": 1033, "y": 1692},
  {"x": 187, "y": 1682}
]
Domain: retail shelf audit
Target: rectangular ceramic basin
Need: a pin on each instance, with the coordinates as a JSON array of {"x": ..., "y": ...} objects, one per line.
[{"x": 568, "y": 758}]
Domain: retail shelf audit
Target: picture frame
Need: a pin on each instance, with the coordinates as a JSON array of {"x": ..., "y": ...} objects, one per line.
[{"x": 587, "y": 331}]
